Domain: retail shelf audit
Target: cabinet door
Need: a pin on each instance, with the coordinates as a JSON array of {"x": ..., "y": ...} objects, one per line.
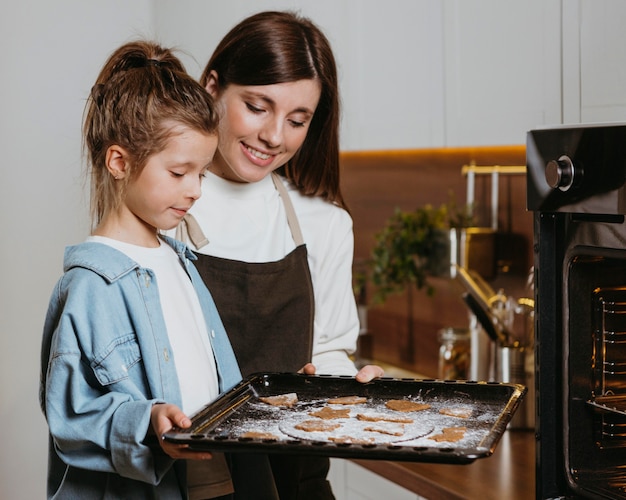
[
  {"x": 503, "y": 69},
  {"x": 390, "y": 56},
  {"x": 594, "y": 61}
]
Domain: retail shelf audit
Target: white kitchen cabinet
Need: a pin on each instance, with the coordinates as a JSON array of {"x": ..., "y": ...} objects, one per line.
[
  {"x": 389, "y": 56},
  {"x": 449, "y": 73},
  {"x": 391, "y": 65},
  {"x": 502, "y": 69},
  {"x": 435, "y": 73},
  {"x": 594, "y": 61},
  {"x": 352, "y": 482}
]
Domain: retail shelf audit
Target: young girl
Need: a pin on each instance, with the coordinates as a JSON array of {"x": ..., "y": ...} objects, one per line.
[
  {"x": 132, "y": 341},
  {"x": 279, "y": 236}
]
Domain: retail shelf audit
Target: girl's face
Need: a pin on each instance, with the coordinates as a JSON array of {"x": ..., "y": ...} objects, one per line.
[
  {"x": 168, "y": 185},
  {"x": 261, "y": 126}
]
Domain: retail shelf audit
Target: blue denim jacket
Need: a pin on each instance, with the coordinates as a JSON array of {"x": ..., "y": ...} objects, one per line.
[{"x": 105, "y": 361}]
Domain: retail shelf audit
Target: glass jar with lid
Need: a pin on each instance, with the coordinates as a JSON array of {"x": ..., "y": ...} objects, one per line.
[{"x": 454, "y": 353}]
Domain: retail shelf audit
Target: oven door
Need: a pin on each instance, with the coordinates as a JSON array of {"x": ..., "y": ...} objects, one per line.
[
  {"x": 595, "y": 368},
  {"x": 576, "y": 185}
]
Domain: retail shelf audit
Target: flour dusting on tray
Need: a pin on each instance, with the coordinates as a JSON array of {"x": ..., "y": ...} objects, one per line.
[
  {"x": 372, "y": 421},
  {"x": 387, "y": 419}
]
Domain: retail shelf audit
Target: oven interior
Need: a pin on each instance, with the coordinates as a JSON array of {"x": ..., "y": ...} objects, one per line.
[{"x": 595, "y": 406}]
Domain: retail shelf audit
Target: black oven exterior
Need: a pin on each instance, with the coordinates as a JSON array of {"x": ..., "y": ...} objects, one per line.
[{"x": 577, "y": 191}]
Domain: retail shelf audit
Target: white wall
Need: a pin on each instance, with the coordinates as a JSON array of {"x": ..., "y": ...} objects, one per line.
[{"x": 52, "y": 52}]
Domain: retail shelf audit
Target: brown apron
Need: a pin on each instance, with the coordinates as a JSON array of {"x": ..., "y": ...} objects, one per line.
[{"x": 267, "y": 309}]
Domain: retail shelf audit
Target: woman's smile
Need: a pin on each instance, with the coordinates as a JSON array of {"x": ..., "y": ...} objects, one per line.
[{"x": 257, "y": 156}]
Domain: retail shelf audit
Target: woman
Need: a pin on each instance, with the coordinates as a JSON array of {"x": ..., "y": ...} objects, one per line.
[{"x": 272, "y": 229}]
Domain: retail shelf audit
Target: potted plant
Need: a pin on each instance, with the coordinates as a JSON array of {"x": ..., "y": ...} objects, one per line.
[
  {"x": 411, "y": 247},
  {"x": 407, "y": 250}
]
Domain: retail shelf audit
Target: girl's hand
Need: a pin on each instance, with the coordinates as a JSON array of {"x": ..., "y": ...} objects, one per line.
[
  {"x": 365, "y": 374},
  {"x": 165, "y": 416}
]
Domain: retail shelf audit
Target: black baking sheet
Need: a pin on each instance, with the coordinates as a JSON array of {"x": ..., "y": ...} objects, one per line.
[{"x": 220, "y": 425}]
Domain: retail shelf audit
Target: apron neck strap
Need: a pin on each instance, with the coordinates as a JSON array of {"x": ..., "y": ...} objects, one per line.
[
  {"x": 189, "y": 229},
  {"x": 292, "y": 220}
]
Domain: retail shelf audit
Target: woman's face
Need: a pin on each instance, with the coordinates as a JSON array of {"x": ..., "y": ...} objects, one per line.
[{"x": 261, "y": 126}]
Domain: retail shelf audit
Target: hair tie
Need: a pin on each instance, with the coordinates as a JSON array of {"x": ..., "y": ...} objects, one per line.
[{"x": 153, "y": 62}]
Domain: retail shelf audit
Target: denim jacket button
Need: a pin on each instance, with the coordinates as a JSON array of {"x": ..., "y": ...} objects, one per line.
[{"x": 166, "y": 354}]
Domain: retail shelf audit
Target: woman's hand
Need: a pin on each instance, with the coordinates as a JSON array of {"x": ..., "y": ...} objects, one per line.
[
  {"x": 308, "y": 369},
  {"x": 369, "y": 373},
  {"x": 365, "y": 374},
  {"x": 165, "y": 416}
]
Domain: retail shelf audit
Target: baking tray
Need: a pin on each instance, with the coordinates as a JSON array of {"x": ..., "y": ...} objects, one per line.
[{"x": 223, "y": 424}]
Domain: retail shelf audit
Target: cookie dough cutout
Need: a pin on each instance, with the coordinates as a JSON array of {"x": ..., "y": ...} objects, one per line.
[
  {"x": 354, "y": 428},
  {"x": 283, "y": 400},
  {"x": 405, "y": 406},
  {"x": 328, "y": 413},
  {"x": 383, "y": 417},
  {"x": 388, "y": 428},
  {"x": 457, "y": 412},
  {"x": 351, "y": 440},
  {"x": 316, "y": 426},
  {"x": 347, "y": 400},
  {"x": 450, "y": 434}
]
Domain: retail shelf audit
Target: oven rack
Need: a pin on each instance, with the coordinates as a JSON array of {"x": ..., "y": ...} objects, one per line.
[{"x": 609, "y": 404}]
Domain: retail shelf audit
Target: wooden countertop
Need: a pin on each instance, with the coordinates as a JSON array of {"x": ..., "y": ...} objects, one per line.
[{"x": 508, "y": 473}]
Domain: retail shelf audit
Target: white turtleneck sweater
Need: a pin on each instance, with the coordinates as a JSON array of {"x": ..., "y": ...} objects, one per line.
[{"x": 248, "y": 222}]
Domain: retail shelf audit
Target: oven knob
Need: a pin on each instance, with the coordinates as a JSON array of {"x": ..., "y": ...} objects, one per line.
[{"x": 560, "y": 173}]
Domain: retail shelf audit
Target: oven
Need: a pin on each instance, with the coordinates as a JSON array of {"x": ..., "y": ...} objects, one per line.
[{"x": 576, "y": 188}]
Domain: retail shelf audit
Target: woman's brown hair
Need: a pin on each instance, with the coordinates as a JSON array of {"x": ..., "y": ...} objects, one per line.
[
  {"x": 140, "y": 93},
  {"x": 277, "y": 47}
]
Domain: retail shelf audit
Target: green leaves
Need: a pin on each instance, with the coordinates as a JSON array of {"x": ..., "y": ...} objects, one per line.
[{"x": 408, "y": 249}]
